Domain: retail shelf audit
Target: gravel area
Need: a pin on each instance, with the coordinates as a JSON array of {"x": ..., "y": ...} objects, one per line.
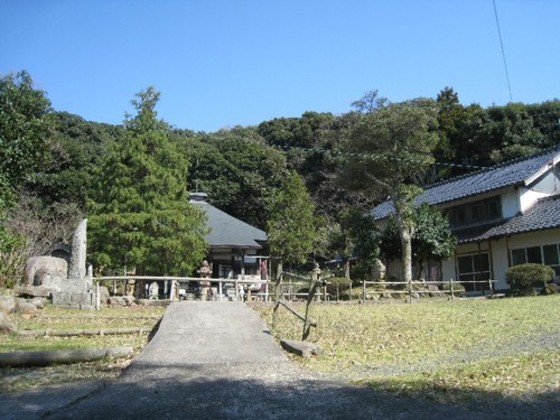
[{"x": 217, "y": 360}]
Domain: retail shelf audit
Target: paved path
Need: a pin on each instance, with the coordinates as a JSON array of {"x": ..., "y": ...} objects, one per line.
[{"x": 214, "y": 360}]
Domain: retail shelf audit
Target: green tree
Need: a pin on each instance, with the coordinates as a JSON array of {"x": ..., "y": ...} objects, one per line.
[
  {"x": 238, "y": 171},
  {"x": 75, "y": 149},
  {"x": 370, "y": 102},
  {"x": 386, "y": 152},
  {"x": 291, "y": 224},
  {"x": 24, "y": 126},
  {"x": 140, "y": 214},
  {"x": 432, "y": 240},
  {"x": 359, "y": 241}
]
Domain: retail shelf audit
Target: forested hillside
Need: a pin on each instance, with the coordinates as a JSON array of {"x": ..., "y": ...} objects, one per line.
[{"x": 51, "y": 161}]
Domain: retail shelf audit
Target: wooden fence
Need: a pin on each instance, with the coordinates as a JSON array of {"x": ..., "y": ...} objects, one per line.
[
  {"x": 173, "y": 284},
  {"x": 294, "y": 286},
  {"x": 411, "y": 288}
]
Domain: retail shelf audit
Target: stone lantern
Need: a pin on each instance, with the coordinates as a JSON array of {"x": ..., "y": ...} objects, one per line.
[{"x": 204, "y": 271}]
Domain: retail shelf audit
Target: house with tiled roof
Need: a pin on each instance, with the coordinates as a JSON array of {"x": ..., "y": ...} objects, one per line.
[
  {"x": 502, "y": 216},
  {"x": 234, "y": 246}
]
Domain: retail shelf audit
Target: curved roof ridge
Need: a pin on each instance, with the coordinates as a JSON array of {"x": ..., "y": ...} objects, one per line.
[
  {"x": 494, "y": 167},
  {"x": 509, "y": 173}
]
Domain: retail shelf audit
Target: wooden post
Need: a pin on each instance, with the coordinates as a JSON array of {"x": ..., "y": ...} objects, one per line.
[
  {"x": 266, "y": 296},
  {"x": 364, "y": 292},
  {"x": 97, "y": 297},
  {"x": 277, "y": 295},
  {"x": 313, "y": 283},
  {"x": 410, "y": 291},
  {"x": 451, "y": 288}
]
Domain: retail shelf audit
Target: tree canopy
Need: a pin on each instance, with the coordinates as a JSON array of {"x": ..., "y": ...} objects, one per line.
[
  {"x": 140, "y": 215},
  {"x": 24, "y": 128},
  {"x": 57, "y": 160},
  {"x": 291, "y": 225},
  {"x": 386, "y": 152},
  {"x": 432, "y": 239}
]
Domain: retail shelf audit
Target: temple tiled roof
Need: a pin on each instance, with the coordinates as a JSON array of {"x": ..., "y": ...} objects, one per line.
[
  {"x": 511, "y": 173},
  {"x": 228, "y": 231}
]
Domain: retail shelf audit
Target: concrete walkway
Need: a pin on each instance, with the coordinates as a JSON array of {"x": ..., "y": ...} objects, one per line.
[{"x": 217, "y": 360}]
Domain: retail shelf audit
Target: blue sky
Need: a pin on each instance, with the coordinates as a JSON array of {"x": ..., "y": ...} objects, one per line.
[{"x": 221, "y": 63}]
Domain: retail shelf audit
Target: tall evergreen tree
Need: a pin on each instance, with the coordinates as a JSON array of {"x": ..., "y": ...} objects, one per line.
[
  {"x": 140, "y": 214},
  {"x": 291, "y": 225}
]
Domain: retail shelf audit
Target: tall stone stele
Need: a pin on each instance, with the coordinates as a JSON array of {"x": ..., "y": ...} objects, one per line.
[
  {"x": 77, "y": 267},
  {"x": 77, "y": 289}
]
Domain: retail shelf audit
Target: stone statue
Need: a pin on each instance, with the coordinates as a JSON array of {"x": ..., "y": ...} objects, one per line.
[
  {"x": 204, "y": 271},
  {"x": 154, "y": 290}
]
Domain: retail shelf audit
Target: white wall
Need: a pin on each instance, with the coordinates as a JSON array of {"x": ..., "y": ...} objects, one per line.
[
  {"x": 527, "y": 198},
  {"x": 499, "y": 249},
  {"x": 510, "y": 204}
]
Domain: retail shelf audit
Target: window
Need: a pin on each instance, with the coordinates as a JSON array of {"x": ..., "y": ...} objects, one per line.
[
  {"x": 475, "y": 213},
  {"x": 534, "y": 255},
  {"x": 474, "y": 268},
  {"x": 546, "y": 254},
  {"x": 551, "y": 254},
  {"x": 518, "y": 256}
]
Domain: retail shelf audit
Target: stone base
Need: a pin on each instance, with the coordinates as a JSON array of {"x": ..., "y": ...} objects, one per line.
[
  {"x": 82, "y": 300},
  {"x": 36, "y": 291}
]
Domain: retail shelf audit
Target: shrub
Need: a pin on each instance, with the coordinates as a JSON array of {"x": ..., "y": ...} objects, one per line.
[
  {"x": 458, "y": 288},
  {"x": 524, "y": 278},
  {"x": 337, "y": 284}
]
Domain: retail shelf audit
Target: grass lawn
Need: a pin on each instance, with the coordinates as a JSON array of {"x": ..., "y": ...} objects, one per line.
[
  {"x": 467, "y": 352},
  {"x": 56, "y": 318},
  {"x": 461, "y": 352}
]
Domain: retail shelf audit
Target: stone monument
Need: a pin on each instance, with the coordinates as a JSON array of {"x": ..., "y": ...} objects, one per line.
[
  {"x": 67, "y": 283},
  {"x": 205, "y": 271}
]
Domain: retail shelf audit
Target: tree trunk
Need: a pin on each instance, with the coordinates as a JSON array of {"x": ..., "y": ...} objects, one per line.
[
  {"x": 347, "y": 269},
  {"x": 45, "y": 358},
  {"x": 406, "y": 242}
]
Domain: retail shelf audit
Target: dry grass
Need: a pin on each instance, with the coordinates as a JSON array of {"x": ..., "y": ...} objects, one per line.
[
  {"x": 507, "y": 348},
  {"x": 19, "y": 379}
]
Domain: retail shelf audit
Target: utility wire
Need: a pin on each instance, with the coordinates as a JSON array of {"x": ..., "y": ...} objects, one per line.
[
  {"x": 503, "y": 51},
  {"x": 374, "y": 156}
]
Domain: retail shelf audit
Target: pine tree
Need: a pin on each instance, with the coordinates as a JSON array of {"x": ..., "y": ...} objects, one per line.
[
  {"x": 140, "y": 215},
  {"x": 291, "y": 224}
]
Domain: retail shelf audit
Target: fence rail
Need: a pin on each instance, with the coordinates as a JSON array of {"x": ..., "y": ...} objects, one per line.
[
  {"x": 292, "y": 289},
  {"x": 410, "y": 287},
  {"x": 172, "y": 282}
]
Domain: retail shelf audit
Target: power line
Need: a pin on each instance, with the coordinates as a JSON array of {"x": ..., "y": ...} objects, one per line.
[
  {"x": 338, "y": 153},
  {"x": 502, "y": 47}
]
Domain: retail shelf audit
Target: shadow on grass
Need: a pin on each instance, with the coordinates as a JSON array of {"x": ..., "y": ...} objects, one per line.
[
  {"x": 245, "y": 391},
  {"x": 540, "y": 405}
]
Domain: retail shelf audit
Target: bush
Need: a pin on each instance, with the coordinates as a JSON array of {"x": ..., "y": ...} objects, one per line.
[
  {"x": 458, "y": 288},
  {"x": 12, "y": 259},
  {"x": 337, "y": 284},
  {"x": 524, "y": 278}
]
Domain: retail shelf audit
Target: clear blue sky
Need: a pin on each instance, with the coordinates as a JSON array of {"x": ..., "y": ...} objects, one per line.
[{"x": 223, "y": 63}]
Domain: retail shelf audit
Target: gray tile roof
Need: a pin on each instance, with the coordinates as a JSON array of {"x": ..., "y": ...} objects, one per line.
[
  {"x": 227, "y": 231},
  {"x": 510, "y": 173},
  {"x": 545, "y": 214}
]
